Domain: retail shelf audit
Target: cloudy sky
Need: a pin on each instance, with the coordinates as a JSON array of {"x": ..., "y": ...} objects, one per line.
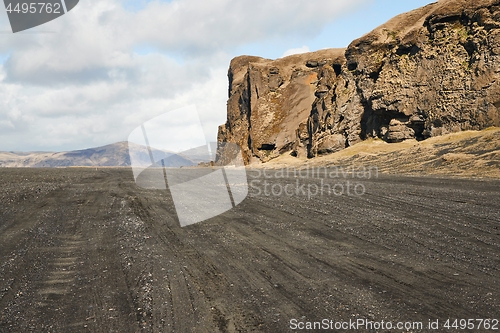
[{"x": 91, "y": 76}]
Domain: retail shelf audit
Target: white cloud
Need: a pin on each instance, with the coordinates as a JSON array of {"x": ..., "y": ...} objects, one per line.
[
  {"x": 78, "y": 81},
  {"x": 6, "y": 124},
  {"x": 303, "y": 49}
]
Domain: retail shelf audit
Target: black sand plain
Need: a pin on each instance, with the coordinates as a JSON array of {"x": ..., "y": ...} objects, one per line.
[{"x": 87, "y": 250}]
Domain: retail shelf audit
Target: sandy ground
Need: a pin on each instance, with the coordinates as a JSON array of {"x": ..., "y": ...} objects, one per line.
[{"x": 85, "y": 250}]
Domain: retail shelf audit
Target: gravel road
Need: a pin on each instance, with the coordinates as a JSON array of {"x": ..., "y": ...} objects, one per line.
[{"x": 86, "y": 250}]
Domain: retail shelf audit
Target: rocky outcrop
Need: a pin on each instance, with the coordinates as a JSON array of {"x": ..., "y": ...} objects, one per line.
[
  {"x": 270, "y": 102},
  {"x": 425, "y": 73}
]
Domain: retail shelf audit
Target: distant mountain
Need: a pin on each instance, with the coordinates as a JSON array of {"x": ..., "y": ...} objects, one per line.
[{"x": 116, "y": 154}]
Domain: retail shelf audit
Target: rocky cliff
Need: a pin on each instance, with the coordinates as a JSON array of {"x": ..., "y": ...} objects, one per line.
[
  {"x": 425, "y": 73},
  {"x": 270, "y": 102}
]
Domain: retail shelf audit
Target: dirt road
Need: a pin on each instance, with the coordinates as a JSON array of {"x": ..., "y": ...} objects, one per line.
[{"x": 86, "y": 250}]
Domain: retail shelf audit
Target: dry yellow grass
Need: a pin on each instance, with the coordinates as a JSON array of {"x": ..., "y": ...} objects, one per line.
[{"x": 470, "y": 154}]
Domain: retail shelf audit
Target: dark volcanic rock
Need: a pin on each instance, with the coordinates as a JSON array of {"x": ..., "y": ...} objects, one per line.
[
  {"x": 270, "y": 102},
  {"x": 425, "y": 73},
  {"x": 429, "y": 72}
]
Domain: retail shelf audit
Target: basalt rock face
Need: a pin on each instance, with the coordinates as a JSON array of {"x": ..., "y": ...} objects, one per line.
[
  {"x": 429, "y": 72},
  {"x": 270, "y": 102},
  {"x": 425, "y": 73}
]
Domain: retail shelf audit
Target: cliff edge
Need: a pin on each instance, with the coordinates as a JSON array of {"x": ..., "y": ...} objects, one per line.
[{"x": 429, "y": 72}]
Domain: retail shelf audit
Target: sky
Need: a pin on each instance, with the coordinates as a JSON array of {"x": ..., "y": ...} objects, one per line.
[{"x": 93, "y": 75}]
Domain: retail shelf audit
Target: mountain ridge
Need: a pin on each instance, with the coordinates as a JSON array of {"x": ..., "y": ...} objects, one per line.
[{"x": 112, "y": 155}]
